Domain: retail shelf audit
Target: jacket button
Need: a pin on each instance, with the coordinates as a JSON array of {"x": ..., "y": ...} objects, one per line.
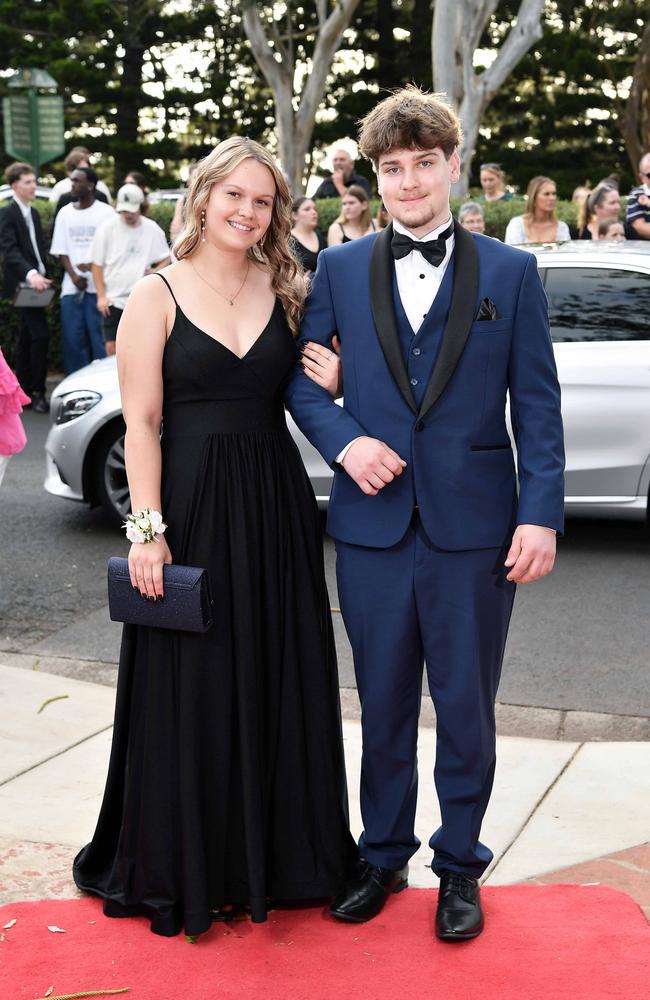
[{"x": 419, "y": 426}]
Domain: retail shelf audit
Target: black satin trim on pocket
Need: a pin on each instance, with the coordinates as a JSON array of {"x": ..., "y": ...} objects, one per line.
[{"x": 490, "y": 447}]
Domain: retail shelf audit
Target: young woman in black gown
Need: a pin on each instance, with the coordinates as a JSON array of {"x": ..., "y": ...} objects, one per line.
[{"x": 226, "y": 784}]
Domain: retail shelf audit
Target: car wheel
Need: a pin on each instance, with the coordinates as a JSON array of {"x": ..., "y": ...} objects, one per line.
[{"x": 111, "y": 486}]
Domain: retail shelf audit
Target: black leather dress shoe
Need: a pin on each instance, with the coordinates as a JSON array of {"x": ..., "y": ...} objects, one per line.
[
  {"x": 39, "y": 403},
  {"x": 364, "y": 896},
  {"x": 459, "y": 916}
]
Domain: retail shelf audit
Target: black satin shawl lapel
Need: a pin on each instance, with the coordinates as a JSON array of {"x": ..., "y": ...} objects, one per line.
[
  {"x": 383, "y": 312},
  {"x": 461, "y": 314}
]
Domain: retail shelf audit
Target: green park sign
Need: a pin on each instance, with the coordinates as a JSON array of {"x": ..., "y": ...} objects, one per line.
[{"x": 33, "y": 122}]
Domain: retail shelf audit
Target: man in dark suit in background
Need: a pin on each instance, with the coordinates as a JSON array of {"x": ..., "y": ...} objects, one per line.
[
  {"x": 436, "y": 326},
  {"x": 343, "y": 175},
  {"x": 23, "y": 255}
]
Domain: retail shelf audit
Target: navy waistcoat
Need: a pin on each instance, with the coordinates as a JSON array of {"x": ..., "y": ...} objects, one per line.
[{"x": 420, "y": 349}]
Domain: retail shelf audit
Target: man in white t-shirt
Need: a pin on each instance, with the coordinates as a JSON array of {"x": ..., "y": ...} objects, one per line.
[
  {"x": 124, "y": 249},
  {"x": 78, "y": 156},
  {"x": 74, "y": 229}
]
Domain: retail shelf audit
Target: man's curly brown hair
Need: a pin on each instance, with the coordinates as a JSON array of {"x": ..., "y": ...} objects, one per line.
[{"x": 409, "y": 119}]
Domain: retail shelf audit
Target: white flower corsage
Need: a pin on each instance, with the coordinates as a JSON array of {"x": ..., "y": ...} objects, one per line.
[{"x": 143, "y": 525}]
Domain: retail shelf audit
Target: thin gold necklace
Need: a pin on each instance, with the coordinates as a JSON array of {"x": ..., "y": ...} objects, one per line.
[{"x": 228, "y": 298}]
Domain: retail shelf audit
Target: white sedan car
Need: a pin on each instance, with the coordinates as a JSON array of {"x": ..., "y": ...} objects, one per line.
[{"x": 599, "y": 306}]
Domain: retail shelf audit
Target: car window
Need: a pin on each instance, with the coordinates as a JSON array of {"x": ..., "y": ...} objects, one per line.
[{"x": 598, "y": 303}]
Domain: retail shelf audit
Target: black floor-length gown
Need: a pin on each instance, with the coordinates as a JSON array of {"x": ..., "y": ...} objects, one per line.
[{"x": 226, "y": 782}]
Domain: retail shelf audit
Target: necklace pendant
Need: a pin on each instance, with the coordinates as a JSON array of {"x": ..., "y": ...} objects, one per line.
[{"x": 232, "y": 302}]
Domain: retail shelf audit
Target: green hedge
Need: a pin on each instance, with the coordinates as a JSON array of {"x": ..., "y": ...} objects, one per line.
[{"x": 497, "y": 216}]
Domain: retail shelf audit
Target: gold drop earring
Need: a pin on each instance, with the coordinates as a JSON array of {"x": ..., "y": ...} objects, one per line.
[{"x": 203, "y": 226}]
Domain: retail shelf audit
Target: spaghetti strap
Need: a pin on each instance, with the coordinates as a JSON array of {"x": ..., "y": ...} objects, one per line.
[{"x": 168, "y": 286}]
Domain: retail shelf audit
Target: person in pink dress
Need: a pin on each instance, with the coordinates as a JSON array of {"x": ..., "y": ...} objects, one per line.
[{"x": 12, "y": 400}]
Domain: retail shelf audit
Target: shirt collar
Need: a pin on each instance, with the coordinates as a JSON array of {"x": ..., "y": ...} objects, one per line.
[
  {"x": 399, "y": 228},
  {"x": 25, "y": 209}
]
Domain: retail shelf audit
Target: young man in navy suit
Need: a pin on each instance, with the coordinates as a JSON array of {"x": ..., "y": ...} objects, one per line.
[{"x": 436, "y": 326}]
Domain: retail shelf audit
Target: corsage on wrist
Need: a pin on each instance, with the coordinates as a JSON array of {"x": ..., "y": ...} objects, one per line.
[{"x": 143, "y": 525}]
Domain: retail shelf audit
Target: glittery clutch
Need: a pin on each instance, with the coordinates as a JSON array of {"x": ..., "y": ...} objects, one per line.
[{"x": 186, "y": 606}]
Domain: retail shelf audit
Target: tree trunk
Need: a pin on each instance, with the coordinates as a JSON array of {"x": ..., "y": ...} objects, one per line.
[
  {"x": 386, "y": 67},
  {"x": 129, "y": 95},
  {"x": 458, "y": 26},
  {"x": 635, "y": 120},
  {"x": 295, "y": 125}
]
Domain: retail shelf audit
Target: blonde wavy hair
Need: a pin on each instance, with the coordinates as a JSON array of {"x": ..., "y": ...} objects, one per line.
[{"x": 273, "y": 250}]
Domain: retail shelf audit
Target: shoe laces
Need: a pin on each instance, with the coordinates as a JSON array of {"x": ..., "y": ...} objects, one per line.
[{"x": 463, "y": 885}]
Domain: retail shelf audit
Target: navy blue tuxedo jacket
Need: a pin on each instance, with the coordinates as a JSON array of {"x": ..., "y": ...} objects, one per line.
[{"x": 460, "y": 465}]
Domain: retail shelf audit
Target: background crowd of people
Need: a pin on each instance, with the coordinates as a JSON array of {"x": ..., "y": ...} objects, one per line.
[{"x": 105, "y": 248}]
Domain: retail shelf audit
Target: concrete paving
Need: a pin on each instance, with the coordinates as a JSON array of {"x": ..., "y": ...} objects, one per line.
[{"x": 555, "y": 803}]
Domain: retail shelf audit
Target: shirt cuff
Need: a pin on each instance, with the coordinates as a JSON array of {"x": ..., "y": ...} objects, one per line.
[
  {"x": 341, "y": 455},
  {"x": 29, "y": 274}
]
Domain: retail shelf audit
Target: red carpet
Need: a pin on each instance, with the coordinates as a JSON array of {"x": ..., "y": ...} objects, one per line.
[{"x": 553, "y": 942}]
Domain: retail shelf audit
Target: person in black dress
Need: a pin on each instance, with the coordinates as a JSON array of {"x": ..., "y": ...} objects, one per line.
[
  {"x": 355, "y": 215},
  {"x": 306, "y": 241},
  {"x": 226, "y": 784}
]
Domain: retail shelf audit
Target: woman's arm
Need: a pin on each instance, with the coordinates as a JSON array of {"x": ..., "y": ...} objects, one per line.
[
  {"x": 514, "y": 231},
  {"x": 140, "y": 345},
  {"x": 334, "y": 235}
]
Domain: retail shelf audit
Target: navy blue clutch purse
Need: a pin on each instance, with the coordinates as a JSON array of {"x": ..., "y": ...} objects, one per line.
[{"x": 187, "y": 605}]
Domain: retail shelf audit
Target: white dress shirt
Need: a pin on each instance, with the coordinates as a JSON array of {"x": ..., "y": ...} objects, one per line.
[
  {"x": 29, "y": 222},
  {"x": 418, "y": 283}
]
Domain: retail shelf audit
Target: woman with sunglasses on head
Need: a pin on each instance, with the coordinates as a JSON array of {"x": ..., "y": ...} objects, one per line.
[
  {"x": 226, "y": 785},
  {"x": 493, "y": 182}
]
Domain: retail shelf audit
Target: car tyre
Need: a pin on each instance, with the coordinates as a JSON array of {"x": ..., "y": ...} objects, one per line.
[{"x": 111, "y": 486}]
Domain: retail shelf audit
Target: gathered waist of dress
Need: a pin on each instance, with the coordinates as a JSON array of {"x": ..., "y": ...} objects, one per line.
[{"x": 196, "y": 418}]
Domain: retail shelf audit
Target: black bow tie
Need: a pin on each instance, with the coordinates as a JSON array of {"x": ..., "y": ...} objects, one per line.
[{"x": 432, "y": 250}]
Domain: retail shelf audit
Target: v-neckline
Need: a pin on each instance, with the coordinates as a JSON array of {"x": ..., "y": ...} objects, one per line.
[{"x": 219, "y": 343}]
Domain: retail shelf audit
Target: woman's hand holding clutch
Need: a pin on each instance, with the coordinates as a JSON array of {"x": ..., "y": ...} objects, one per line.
[{"x": 146, "y": 567}]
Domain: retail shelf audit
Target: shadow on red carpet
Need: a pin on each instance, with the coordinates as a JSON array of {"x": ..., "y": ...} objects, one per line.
[{"x": 552, "y": 942}]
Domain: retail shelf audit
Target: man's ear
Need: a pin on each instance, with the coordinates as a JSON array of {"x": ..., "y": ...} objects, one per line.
[{"x": 454, "y": 164}]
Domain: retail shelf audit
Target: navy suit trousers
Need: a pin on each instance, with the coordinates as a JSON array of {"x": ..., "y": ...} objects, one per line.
[{"x": 405, "y": 606}]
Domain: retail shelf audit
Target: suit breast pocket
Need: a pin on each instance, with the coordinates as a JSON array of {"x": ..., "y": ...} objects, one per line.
[{"x": 486, "y": 327}]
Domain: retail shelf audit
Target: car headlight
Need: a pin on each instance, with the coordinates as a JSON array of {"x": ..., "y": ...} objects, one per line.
[{"x": 75, "y": 404}]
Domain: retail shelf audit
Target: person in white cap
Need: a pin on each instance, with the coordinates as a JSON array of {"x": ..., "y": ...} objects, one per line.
[{"x": 124, "y": 249}]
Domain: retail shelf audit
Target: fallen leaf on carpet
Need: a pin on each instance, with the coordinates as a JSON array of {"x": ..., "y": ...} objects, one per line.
[
  {"x": 55, "y": 929},
  {"x": 49, "y": 992},
  {"x": 9, "y": 925}
]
